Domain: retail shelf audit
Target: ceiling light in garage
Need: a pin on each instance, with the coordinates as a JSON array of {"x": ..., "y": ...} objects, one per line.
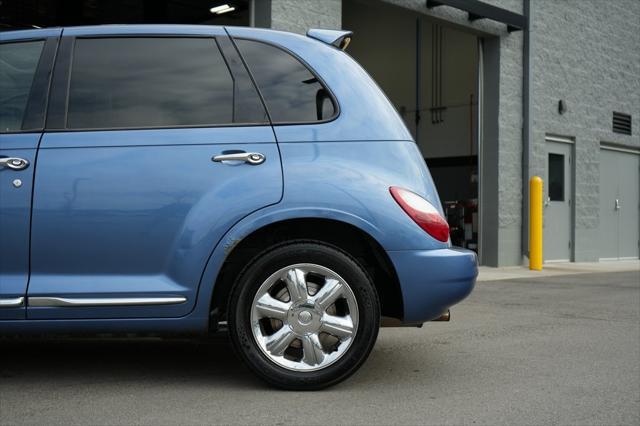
[{"x": 219, "y": 10}]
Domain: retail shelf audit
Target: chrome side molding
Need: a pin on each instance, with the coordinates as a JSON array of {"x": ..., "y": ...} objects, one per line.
[
  {"x": 14, "y": 302},
  {"x": 56, "y": 302}
]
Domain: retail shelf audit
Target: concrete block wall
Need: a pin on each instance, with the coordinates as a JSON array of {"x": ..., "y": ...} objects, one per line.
[
  {"x": 510, "y": 123},
  {"x": 586, "y": 53},
  {"x": 299, "y": 15}
]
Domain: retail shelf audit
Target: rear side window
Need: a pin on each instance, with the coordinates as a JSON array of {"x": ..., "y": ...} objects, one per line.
[
  {"x": 18, "y": 63},
  {"x": 291, "y": 92},
  {"x": 151, "y": 82}
]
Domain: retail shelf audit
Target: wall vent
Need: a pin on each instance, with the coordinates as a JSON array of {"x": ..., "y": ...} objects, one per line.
[{"x": 621, "y": 123}]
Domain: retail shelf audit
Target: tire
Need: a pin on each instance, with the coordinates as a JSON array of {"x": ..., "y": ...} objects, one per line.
[{"x": 303, "y": 342}]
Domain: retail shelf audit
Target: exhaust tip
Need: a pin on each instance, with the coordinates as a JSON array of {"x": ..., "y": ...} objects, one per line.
[{"x": 444, "y": 317}]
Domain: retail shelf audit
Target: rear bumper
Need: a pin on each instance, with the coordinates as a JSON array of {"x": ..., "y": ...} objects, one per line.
[{"x": 433, "y": 280}]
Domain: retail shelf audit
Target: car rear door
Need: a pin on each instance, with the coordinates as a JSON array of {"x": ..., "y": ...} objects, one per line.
[
  {"x": 131, "y": 194},
  {"x": 26, "y": 59}
]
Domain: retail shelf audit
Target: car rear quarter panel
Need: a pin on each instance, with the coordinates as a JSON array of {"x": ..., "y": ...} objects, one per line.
[{"x": 348, "y": 163}]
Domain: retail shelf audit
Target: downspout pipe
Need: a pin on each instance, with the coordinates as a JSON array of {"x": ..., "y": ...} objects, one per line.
[
  {"x": 527, "y": 145},
  {"x": 418, "y": 77}
]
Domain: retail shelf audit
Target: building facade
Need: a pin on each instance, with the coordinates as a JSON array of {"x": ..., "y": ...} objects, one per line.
[{"x": 490, "y": 104}]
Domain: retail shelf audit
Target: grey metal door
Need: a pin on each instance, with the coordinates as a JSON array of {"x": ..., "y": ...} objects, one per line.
[
  {"x": 629, "y": 208},
  {"x": 558, "y": 222},
  {"x": 608, "y": 244},
  {"x": 619, "y": 204}
]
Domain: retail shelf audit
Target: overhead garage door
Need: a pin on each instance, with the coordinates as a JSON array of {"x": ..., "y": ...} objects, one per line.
[{"x": 619, "y": 203}]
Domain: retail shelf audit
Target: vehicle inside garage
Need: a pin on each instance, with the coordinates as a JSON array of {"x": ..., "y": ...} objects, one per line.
[{"x": 430, "y": 73}]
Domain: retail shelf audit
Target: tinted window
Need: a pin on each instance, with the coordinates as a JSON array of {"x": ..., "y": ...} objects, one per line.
[
  {"x": 556, "y": 177},
  {"x": 291, "y": 92},
  {"x": 18, "y": 63},
  {"x": 148, "y": 82}
]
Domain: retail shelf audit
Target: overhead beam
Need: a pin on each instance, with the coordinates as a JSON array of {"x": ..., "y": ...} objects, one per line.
[{"x": 480, "y": 10}]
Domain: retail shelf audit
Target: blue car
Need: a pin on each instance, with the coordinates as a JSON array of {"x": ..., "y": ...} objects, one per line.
[{"x": 182, "y": 179}]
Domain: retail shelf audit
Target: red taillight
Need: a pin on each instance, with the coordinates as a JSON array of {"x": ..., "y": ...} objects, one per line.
[{"x": 422, "y": 212}]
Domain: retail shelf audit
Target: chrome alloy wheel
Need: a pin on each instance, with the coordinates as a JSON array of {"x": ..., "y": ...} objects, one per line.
[{"x": 304, "y": 317}]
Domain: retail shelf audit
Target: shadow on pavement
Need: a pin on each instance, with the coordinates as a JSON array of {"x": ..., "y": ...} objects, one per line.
[{"x": 157, "y": 361}]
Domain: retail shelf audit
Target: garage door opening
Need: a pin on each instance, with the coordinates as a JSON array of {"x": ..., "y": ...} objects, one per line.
[{"x": 430, "y": 72}]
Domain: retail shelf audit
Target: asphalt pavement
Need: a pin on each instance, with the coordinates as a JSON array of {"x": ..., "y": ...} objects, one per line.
[{"x": 551, "y": 350}]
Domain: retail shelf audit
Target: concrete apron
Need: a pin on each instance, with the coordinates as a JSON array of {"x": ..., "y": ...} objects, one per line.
[{"x": 555, "y": 269}]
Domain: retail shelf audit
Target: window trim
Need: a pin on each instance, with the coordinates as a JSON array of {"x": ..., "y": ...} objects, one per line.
[
  {"x": 325, "y": 86},
  {"x": 64, "y": 65},
  {"x": 226, "y": 44},
  {"x": 40, "y": 86}
]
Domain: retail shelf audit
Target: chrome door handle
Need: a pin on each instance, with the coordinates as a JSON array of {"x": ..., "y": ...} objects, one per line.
[
  {"x": 253, "y": 158},
  {"x": 617, "y": 204},
  {"x": 14, "y": 163}
]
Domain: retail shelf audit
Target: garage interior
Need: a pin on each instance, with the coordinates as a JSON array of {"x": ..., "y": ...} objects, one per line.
[{"x": 430, "y": 73}]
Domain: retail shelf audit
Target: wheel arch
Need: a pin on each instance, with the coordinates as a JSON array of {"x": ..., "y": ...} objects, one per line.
[{"x": 341, "y": 234}]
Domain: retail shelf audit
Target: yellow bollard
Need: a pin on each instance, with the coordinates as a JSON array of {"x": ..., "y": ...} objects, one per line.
[{"x": 535, "y": 223}]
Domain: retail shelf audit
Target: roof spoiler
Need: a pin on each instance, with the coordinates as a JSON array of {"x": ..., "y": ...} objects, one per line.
[{"x": 337, "y": 38}]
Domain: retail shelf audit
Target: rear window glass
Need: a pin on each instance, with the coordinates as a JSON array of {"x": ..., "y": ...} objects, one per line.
[
  {"x": 150, "y": 82},
  {"x": 292, "y": 93},
  {"x": 18, "y": 63}
]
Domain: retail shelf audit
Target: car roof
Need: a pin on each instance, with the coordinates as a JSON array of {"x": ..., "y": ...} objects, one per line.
[
  {"x": 334, "y": 38},
  {"x": 122, "y": 29}
]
